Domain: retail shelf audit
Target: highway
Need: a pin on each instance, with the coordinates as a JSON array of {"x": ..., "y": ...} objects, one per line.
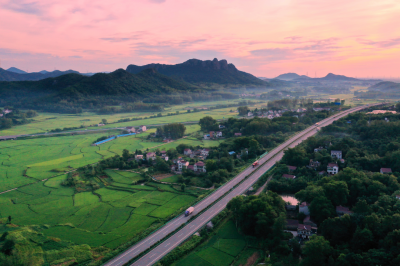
[{"x": 190, "y": 228}]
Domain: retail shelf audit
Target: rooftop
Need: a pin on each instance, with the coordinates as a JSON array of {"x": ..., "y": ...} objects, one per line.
[{"x": 386, "y": 170}]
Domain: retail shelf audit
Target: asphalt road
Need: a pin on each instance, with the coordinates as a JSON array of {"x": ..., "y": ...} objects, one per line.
[{"x": 177, "y": 238}]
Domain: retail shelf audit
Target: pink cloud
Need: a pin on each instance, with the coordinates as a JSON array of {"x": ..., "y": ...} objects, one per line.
[{"x": 264, "y": 38}]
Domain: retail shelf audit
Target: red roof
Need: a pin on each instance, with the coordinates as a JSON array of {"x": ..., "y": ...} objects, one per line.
[
  {"x": 291, "y": 222},
  {"x": 238, "y": 134},
  {"x": 187, "y": 149},
  {"x": 386, "y": 170},
  {"x": 163, "y": 151},
  {"x": 304, "y": 227},
  {"x": 289, "y": 176},
  {"x": 332, "y": 165},
  {"x": 292, "y": 168},
  {"x": 191, "y": 167},
  {"x": 200, "y": 163}
]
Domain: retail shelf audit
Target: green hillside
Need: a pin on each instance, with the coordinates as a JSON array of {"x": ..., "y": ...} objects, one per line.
[{"x": 200, "y": 72}]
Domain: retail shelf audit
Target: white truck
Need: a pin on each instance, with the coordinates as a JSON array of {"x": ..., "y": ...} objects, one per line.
[{"x": 189, "y": 211}]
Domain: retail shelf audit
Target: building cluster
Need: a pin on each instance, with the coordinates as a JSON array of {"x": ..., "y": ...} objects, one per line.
[
  {"x": 138, "y": 130},
  {"x": 213, "y": 135},
  {"x": 270, "y": 114},
  {"x": 5, "y": 111}
]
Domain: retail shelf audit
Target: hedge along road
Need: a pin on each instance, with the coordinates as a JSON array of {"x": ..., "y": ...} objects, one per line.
[{"x": 177, "y": 238}]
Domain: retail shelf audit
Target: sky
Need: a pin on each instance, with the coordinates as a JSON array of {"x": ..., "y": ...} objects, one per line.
[{"x": 359, "y": 38}]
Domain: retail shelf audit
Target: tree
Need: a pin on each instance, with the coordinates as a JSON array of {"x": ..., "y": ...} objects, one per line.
[
  {"x": 337, "y": 192},
  {"x": 208, "y": 123},
  {"x": 211, "y": 165},
  {"x": 6, "y": 123},
  {"x": 316, "y": 251},
  {"x": 183, "y": 186},
  {"x": 161, "y": 165},
  {"x": 310, "y": 193},
  {"x": 9, "y": 219},
  {"x": 125, "y": 154},
  {"x": 104, "y": 121},
  {"x": 295, "y": 156},
  {"x": 243, "y": 110},
  {"x": 321, "y": 208},
  {"x": 362, "y": 239}
]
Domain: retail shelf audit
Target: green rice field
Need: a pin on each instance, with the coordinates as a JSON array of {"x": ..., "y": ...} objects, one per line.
[{"x": 226, "y": 247}]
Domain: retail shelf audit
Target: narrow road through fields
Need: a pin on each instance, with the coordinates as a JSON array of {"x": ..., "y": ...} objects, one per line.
[{"x": 190, "y": 228}]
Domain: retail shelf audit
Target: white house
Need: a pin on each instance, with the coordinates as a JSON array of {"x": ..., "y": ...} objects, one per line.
[
  {"x": 142, "y": 128},
  {"x": 218, "y": 134},
  {"x": 130, "y": 129},
  {"x": 187, "y": 152},
  {"x": 305, "y": 231},
  {"x": 332, "y": 168},
  {"x": 207, "y": 136},
  {"x": 182, "y": 165},
  {"x": 221, "y": 126},
  {"x": 199, "y": 167},
  {"x": 336, "y": 154},
  {"x": 205, "y": 152}
]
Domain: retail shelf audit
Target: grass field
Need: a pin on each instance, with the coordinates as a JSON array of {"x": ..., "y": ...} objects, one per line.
[{"x": 227, "y": 246}]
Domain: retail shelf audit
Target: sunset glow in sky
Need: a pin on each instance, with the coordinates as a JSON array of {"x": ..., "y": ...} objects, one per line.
[{"x": 263, "y": 37}]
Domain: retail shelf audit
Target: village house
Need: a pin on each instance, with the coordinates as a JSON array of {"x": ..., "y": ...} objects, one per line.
[
  {"x": 166, "y": 158},
  {"x": 182, "y": 165},
  {"x": 150, "y": 155},
  {"x": 314, "y": 164},
  {"x": 142, "y": 128},
  {"x": 398, "y": 197},
  {"x": 211, "y": 133},
  {"x": 187, "y": 152},
  {"x": 238, "y": 134},
  {"x": 292, "y": 168},
  {"x": 342, "y": 160},
  {"x": 138, "y": 157},
  {"x": 163, "y": 153},
  {"x": 304, "y": 208},
  {"x": 340, "y": 210},
  {"x": 332, "y": 168},
  {"x": 320, "y": 148},
  {"x": 322, "y": 173},
  {"x": 249, "y": 114},
  {"x": 130, "y": 129},
  {"x": 218, "y": 134},
  {"x": 207, "y": 136},
  {"x": 221, "y": 126},
  {"x": 167, "y": 140},
  {"x": 336, "y": 154},
  {"x": 100, "y": 125},
  {"x": 288, "y": 176},
  {"x": 7, "y": 111},
  {"x": 205, "y": 152},
  {"x": 386, "y": 170},
  {"x": 327, "y": 144},
  {"x": 306, "y": 231},
  {"x": 199, "y": 167}
]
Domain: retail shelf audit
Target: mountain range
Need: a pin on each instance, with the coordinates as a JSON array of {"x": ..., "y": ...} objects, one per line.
[
  {"x": 6, "y": 75},
  {"x": 202, "y": 72},
  {"x": 329, "y": 77},
  {"x": 117, "y": 83}
]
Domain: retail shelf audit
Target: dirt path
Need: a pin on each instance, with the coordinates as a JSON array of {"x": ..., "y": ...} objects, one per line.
[{"x": 260, "y": 189}]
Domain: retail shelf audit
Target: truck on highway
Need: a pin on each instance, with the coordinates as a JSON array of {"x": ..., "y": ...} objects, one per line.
[
  {"x": 317, "y": 124},
  {"x": 255, "y": 164},
  {"x": 189, "y": 211}
]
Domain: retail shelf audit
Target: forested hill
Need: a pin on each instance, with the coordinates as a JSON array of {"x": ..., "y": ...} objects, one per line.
[
  {"x": 13, "y": 76},
  {"x": 120, "y": 82},
  {"x": 386, "y": 86},
  {"x": 198, "y": 71}
]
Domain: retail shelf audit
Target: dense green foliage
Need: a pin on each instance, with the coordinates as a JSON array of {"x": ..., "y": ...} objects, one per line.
[
  {"x": 197, "y": 71},
  {"x": 171, "y": 131}
]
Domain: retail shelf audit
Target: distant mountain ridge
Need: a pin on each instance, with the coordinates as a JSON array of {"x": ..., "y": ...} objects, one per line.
[
  {"x": 290, "y": 76},
  {"x": 386, "y": 86},
  {"x": 6, "y": 75},
  {"x": 16, "y": 70},
  {"x": 208, "y": 71},
  {"x": 118, "y": 83}
]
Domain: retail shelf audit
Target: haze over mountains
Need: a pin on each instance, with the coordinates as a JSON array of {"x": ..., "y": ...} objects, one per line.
[
  {"x": 6, "y": 75},
  {"x": 329, "y": 77}
]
